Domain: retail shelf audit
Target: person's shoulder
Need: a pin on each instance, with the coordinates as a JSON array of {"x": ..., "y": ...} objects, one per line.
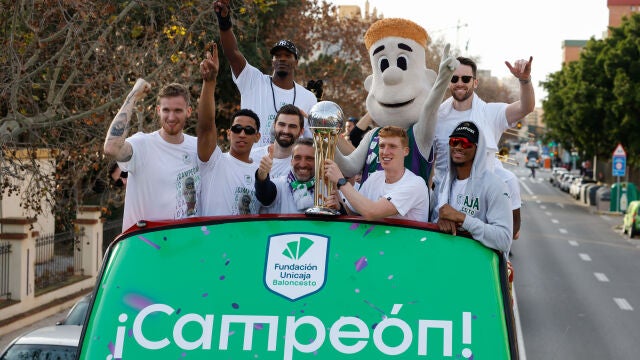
[{"x": 410, "y": 176}]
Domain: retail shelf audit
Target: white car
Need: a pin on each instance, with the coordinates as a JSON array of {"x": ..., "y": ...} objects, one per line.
[{"x": 52, "y": 342}]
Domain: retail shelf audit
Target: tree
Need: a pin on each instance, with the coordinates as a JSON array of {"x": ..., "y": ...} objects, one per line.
[{"x": 593, "y": 104}]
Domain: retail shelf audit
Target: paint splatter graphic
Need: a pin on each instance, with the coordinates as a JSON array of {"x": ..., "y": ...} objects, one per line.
[
  {"x": 361, "y": 263},
  {"x": 149, "y": 242},
  {"x": 205, "y": 230},
  {"x": 137, "y": 302},
  {"x": 235, "y": 306}
]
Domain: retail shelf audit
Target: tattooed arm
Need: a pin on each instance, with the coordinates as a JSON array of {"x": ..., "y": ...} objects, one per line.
[{"x": 115, "y": 144}]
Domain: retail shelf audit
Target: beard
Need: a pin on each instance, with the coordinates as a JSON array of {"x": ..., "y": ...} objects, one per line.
[
  {"x": 283, "y": 141},
  {"x": 464, "y": 97},
  {"x": 282, "y": 73}
]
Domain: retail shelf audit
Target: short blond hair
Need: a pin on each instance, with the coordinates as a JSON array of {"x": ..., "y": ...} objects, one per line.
[
  {"x": 395, "y": 131},
  {"x": 395, "y": 27}
]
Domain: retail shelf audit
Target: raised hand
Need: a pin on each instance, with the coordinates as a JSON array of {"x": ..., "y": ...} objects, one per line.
[
  {"x": 448, "y": 63},
  {"x": 210, "y": 65},
  {"x": 140, "y": 89},
  {"x": 266, "y": 163},
  {"x": 221, "y": 7},
  {"x": 521, "y": 68}
]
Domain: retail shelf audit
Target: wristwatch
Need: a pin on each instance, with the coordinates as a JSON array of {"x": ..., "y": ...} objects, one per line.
[{"x": 341, "y": 181}]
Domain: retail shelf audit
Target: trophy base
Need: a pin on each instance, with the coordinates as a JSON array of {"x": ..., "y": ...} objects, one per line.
[{"x": 321, "y": 211}]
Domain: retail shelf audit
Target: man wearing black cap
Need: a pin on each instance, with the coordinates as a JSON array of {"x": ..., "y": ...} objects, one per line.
[
  {"x": 470, "y": 196},
  {"x": 264, "y": 94}
]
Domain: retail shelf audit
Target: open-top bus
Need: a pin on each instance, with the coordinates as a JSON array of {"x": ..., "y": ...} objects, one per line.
[{"x": 298, "y": 287}]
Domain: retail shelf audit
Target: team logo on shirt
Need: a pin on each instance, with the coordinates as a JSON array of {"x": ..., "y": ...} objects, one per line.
[{"x": 468, "y": 204}]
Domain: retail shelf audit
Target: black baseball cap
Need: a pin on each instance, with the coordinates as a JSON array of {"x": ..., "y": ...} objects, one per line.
[
  {"x": 287, "y": 45},
  {"x": 467, "y": 130}
]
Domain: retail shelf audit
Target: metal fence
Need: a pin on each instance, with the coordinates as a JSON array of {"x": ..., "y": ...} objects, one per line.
[
  {"x": 110, "y": 229},
  {"x": 58, "y": 259},
  {"x": 5, "y": 253}
]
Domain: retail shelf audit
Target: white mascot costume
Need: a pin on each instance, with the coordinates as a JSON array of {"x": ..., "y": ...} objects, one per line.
[{"x": 401, "y": 93}]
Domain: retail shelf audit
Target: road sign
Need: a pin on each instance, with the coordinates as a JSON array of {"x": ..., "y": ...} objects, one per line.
[
  {"x": 619, "y": 151},
  {"x": 619, "y": 163}
]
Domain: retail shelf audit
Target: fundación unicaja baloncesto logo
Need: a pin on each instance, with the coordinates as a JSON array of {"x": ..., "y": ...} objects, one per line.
[{"x": 296, "y": 264}]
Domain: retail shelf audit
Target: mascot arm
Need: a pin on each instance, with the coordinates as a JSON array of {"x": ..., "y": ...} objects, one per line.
[
  {"x": 353, "y": 163},
  {"x": 424, "y": 129}
]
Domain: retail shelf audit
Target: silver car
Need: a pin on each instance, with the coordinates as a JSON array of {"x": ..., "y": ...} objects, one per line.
[{"x": 51, "y": 342}]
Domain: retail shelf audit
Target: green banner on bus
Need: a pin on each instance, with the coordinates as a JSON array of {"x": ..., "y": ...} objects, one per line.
[{"x": 298, "y": 288}]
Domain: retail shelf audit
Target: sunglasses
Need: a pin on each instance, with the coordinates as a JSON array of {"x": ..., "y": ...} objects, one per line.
[
  {"x": 123, "y": 175},
  {"x": 237, "y": 129},
  {"x": 464, "y": 142},
  {"x": 465, "y": 79}
]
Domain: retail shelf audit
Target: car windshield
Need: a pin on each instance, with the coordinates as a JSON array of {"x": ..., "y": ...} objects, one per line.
[
  {"x": 532, "y": 154},
  {"x": 78, "y": 313},
  {"x": 40, "y": 352}
]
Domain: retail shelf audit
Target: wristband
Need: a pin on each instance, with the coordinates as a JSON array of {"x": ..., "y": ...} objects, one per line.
[
  {"x": 224, "y": 23},
  {"x": 524, "y": 81}
]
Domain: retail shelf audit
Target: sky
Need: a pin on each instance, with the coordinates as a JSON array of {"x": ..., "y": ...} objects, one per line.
[{"x": 494, "y": 31}]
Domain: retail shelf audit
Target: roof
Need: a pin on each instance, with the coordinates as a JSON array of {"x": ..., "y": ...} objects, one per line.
[{"x": 63, "y": 335}]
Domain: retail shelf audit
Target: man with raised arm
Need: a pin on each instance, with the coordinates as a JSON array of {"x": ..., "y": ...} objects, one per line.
[
  {"x": 163, "y": 182},
  {"x": 227, "y": 178},
  {"x": 262, "y": 93}
]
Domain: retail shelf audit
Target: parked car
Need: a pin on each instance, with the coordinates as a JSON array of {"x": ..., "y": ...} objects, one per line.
[
  {"x": 556, "y": 173},
  {"x": 567, "y": 181},
  {"x": 51, "y": 342},
  {"x": 577, "y": 184},
  {"x": 78, "y": 312},
  {"x": 631, "y": 222}
]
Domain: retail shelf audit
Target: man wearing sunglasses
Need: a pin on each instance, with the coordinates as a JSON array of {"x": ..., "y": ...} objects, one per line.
[
  {"x": 471, "y": 197},
  {"x": 288, "y": 127},
  {"x": 227, "y": 178},
  {"x": 492, "y": 118},
  {"x": 263, "y": 93},
  {"x": 162, "y": 166}
]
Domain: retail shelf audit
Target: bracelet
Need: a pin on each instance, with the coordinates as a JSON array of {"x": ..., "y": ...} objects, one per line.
[
  {"x": 524, "y": 81},
  {"x": 224, "y": 23}
]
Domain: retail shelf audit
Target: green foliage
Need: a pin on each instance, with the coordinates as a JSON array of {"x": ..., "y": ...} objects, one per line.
[{"x": 594, "y": 103}]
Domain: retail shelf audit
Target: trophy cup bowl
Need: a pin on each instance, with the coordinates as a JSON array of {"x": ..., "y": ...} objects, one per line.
[{"x": 325, "y": 122}]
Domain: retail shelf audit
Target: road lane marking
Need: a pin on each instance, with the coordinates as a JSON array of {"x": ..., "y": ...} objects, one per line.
[
  {"x": 561, "y": 205},
  {"x": 601, "y": 277},
  {"x": 585, "y": 257},
  {"x": 563, "y": 231},
  {"x": 623, "y": 304},
  {"x": 555, "y": 221},
  {"x": 548, "y": 213},
  {"x": 573, "y": 243},
  {"x": 539, "y": 202},
  {"x": 522, "y": 183}
]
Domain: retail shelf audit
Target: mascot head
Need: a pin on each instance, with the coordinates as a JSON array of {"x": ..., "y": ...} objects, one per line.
[{"x": 401, "y": 82}]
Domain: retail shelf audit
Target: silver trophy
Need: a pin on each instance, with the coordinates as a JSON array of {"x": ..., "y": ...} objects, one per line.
[{"x": 325, "y": 122}]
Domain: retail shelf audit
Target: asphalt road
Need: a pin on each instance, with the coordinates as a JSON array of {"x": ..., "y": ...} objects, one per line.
[
  {"x": 577, "y": 278},
  {"x": 51, "y": 320}
]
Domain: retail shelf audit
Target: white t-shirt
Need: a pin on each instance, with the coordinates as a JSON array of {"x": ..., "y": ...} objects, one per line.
[
  {"x": 491, "y": 124},
  {"x": 163, "y": 182},
  {"x": 257, "y": 94},
  {"x": 228, "y": 186},
  {"x": 279, "y": 168},
  {"x": 512, "y": 183},
  {"x": 409, "y": 195}
]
